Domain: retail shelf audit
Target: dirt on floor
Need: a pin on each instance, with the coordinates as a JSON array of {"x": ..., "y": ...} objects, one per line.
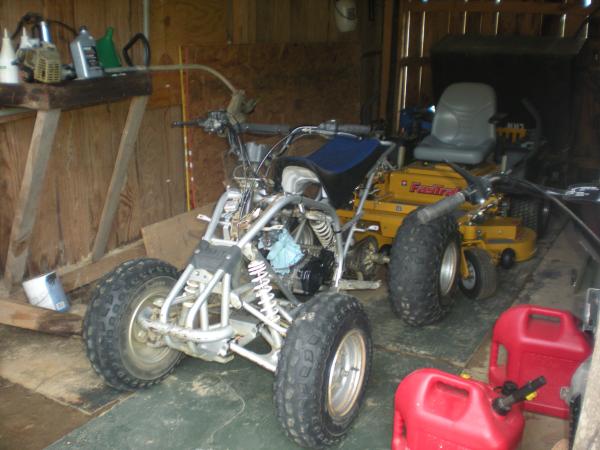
[
  {"x": 48, "y": 389},
  {"x": 30, "y": 421}
]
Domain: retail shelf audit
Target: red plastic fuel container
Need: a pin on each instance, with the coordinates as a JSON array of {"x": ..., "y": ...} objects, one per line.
[
  {"x": 538, "y": 341},
  {"x": 434, "y": 410}
]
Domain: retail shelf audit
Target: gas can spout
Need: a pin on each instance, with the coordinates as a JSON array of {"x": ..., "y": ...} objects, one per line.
[{"x": 502, "y": 405}]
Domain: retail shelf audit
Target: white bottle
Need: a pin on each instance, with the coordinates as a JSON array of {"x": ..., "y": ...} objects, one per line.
[
  {"x": 9, "y": 73},
  {"x": 28, "y": 42}
]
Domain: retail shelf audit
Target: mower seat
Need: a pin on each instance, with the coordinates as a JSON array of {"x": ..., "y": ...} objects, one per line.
[
  {"x": 340, "y": 165},
  {"x": 461, "y": 132}
]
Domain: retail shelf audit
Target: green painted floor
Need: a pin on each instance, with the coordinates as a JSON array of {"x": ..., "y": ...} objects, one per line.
[{"x": 212, "y": 406}]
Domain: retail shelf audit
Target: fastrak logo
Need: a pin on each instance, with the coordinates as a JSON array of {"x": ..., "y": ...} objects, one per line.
[{"x": 435, "y": 189}]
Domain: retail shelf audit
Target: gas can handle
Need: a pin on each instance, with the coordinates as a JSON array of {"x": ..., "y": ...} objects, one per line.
[
  {"x": 452, "y": 381},
  {"x": 398, "y": 439},
  {"x": 565, "y": 318}
]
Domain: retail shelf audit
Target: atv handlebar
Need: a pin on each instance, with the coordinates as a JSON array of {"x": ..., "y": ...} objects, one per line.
[
  {"x": 441, "y": 208},
  {"x": 334, "y": 127},
  {"x": 264, "y": 128}
]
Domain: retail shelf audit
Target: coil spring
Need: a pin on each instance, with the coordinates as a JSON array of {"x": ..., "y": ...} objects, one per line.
[
  {"x": 258, "y": 270},
  {"x": 192, "y": 287},
  {"x": 323, "y": 231}
]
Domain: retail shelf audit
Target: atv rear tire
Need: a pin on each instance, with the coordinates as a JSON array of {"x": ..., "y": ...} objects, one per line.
[
  {"x": 423, "y": 269},
  {"x": 323, "y": 370},
  {"x": 116, "y": 345},
  {"x": 482, "y": 280},
  {"x": 533, "y": 212}
]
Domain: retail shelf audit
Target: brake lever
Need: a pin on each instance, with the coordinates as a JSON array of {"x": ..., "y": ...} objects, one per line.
[{"x": 480, "y": 188}]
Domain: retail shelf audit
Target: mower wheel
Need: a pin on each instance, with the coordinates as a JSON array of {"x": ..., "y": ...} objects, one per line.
[
  {"x": 323, "y": 370},
  {"x": 423, "y": 269},
  {"x": 533, "y": 212},
  {"x": 482, "y": 280}
]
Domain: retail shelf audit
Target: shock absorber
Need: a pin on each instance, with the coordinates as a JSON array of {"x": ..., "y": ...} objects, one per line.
[
  {"x": 192, "y": 287},
  {"x": 260, "y": 277},
  {"x": 323, "y": 231}
]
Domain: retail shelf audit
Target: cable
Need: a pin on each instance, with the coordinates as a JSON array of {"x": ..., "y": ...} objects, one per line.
[{"x": 560, "y": 204}]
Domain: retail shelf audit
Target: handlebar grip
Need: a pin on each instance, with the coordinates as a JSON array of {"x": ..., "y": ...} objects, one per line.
[
  {"x": 264, "y": 128},
  {"x": 354, "y": 129},
  {"x": 443, "y": 207}
]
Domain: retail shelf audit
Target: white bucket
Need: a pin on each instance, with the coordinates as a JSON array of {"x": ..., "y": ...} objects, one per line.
[{"x": 46, "y": 291}]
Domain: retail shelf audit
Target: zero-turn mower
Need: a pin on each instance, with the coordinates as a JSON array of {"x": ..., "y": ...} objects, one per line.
[{"x": 426, "y": 262}]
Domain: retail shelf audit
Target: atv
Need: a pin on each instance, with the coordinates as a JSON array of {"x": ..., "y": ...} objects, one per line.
[
  {"x": 269, "y": 268},
  {"x": 426, "y": 263}
]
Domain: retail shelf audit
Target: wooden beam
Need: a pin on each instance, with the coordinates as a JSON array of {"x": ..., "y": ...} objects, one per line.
[
  {"x": 23, "y": 315},
  {"x": 119, "y": 176},
  {"x": 587, "y": 435},
  {"x": 510, "y": 7},
  {"x": 386, "y": 55},
  {"x": 78, "y": 93},
  {"x": 86, "y": 272},
  {"x": 29, "y": 195},
  {"x": 413, "y": 61}
]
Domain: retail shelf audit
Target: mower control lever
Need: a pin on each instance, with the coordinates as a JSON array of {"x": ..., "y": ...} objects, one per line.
[{"x": 441, "y": 208}]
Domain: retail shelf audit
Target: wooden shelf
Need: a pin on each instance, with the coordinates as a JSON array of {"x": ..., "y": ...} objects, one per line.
[
  {"x": 76, "y": 93},
  {"x": 49, "y": 100}
]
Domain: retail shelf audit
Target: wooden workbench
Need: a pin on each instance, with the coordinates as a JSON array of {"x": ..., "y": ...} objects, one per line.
[{"x": 49, "y": 101}]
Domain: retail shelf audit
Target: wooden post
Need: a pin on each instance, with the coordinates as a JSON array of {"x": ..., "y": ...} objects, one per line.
[
  {"x": 29, "y": 195},
  {"x": 587, "y": 436},
  {"x": 119, "y": 176}
]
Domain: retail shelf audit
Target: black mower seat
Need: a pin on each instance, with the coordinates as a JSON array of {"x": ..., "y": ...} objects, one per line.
[{"x": 340, "y": 165}]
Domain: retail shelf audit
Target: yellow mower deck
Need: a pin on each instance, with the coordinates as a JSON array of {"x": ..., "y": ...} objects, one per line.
[{"x": 399, "y": 192}]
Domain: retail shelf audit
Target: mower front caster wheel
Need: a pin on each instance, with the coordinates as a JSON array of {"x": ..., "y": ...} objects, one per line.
[
  {"x": 482, "y": 280},
  {"x": 323, "y": 370}
]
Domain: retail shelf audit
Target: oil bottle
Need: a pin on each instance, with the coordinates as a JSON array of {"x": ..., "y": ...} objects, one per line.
[{"x": 85, "y": 57}]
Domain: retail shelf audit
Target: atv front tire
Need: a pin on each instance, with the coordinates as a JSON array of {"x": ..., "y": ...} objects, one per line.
[
  {"x": 123, "y": 353},
  {"x": 323, "y": 370},
  {"x": 423, "y": 269}
]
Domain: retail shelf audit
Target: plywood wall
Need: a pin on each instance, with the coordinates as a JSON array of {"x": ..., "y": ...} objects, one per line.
[{"x": 84, "y": 151}]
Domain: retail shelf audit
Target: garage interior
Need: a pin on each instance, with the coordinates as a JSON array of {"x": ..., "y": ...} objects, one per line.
[{"x": 93, "y": 174}]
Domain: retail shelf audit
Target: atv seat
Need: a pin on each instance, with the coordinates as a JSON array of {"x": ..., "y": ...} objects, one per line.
[
  {"x": 340, "y": 166},
  {"x": 461, "y": 131}
]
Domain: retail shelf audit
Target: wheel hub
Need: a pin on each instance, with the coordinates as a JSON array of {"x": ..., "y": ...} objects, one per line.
[
  {"x": 469, "y": 282},
  {"x": 142, "y": 345},
  {"x": 346, "y": 374},
  {"x": 448, "y": 268}
]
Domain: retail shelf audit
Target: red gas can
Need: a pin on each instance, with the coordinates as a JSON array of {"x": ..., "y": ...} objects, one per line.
[
  {"x": 538, "y": 341},
  {"x": 438, "y": 410}
]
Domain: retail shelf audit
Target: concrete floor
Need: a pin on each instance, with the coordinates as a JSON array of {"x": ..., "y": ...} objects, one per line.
[{"x": 49, "y": 389}]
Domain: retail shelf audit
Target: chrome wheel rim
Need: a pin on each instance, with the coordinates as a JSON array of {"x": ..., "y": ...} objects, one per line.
[
  {"x": 139, "y": 340},
  {"x": 469, "y": 282},
  {"x": 448, "y": 268},
  {"x": 346, "y": 374}
]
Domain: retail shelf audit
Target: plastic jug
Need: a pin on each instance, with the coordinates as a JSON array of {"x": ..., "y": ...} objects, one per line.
[
  {"x": 538, "y": 341},
  {"x": 434, "y": 410}
]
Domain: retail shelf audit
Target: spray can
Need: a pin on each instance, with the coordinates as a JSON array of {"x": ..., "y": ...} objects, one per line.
[
  {"x": 85, "y": 57},
  {"x": 9, "y": 73}
]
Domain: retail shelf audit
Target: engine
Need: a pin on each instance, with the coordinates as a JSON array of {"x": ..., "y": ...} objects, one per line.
[{"x": 305, "y": 267}]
